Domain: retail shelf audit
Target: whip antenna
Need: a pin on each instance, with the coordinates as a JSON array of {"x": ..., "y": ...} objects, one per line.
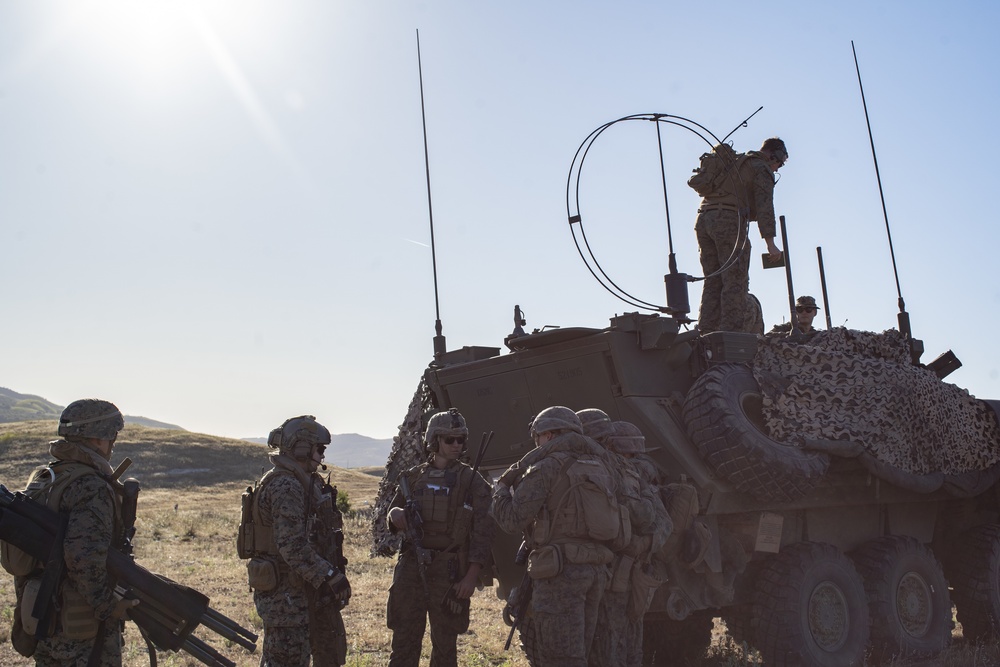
[
  {"x": 440, "y": 347},
  {"x": 903, "y": 317}
]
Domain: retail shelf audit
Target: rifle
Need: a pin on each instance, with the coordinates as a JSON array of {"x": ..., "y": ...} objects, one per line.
[
  {"x": 517, "y": 602},
  {"x": 414, "y": 532},
  {"x": 328, "y": 637},
  {"x": 483, "y": 446},
  {"x": 168, "y": 612}
]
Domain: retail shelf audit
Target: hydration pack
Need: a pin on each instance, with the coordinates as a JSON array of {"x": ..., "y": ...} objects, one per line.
[
  {"x": 45, "y": 485},
  {"x": 583, "y": 504},
  {"x": 716, "y": 169}
]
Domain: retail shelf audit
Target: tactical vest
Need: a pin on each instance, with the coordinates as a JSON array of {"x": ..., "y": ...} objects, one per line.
[
  {"x": 441, "y": 496},
  {"x": 582, "y": 506},
  {"x": 255, "y": 537},
  {"x": 46, "y": 484}
]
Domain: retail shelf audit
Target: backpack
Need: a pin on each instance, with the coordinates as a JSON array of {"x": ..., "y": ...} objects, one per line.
[
  {"x": 583, "y": 503},
  {"x": 715, "y": 169},
  {"x": 45, "y": 485}
]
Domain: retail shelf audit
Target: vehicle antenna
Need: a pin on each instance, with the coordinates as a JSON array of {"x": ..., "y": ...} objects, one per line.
[
  {"x": 440, "y": 346},
  {"x": 902, "y": 317},
  {"x": 743, "y": 124},
  {"x": 822, "y": 283}
]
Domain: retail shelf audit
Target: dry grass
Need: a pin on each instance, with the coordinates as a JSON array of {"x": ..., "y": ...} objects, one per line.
[{"x": 188, "y": 514}]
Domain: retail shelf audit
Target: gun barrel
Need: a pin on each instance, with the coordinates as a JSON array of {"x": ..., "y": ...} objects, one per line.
[
  {"x": 229, "y": 629},
  {"x": 206, "y": 653}
]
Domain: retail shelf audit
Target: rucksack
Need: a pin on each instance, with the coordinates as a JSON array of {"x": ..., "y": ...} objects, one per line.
[
  {"x": 45, "y": 485},
  {"x": 715, "y": 169},
  {"x": 585, "y": 505}
]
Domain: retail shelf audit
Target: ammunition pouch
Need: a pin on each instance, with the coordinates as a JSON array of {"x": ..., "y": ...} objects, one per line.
[
  {"x": 76, "y": 615},
  {"x": 644, "y": 585},
  {"x": 621, "y": 573},
  {"x": 587, "y": 553},
  {"x": 15, "y": 561},
  {"x": 262, "y": 574},
  {"x": 28, "y": 598},
  {"x": 545, "y": 562}
]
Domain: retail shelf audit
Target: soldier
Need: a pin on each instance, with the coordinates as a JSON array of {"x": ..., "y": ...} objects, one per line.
[
  {"x": 448, "y": 537},
  {"x": 629, "y": 444},
  {"x": 567, "y": 563},
  {"x": 720, "y": 226},
  {"x": 805, "y": 312},
  {"x": 297, "y": 571},
  {"x": 615, "y": 643},
  {"x": 89, "y": 611}
]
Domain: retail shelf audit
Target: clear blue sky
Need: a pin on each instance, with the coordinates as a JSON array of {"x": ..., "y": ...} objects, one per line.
[{"x": 214, "y": 213}]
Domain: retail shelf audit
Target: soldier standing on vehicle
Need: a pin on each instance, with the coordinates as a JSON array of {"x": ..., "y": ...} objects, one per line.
[
  {"x": 721, "y": 224},
  {"x": 805, "y": 313},
  {"x": 81, "y": 477},
  {"x": 569, "y": 549},
  {"x": 442, "y": 507},
  {"x": 297, "y": 571}
]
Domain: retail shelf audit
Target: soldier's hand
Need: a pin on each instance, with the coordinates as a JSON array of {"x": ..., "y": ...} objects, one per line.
[
  {"x": 339, "y": 587},
  {"x": 452, "y": 604},
  {"x": 122, "y": 608},
  {"x": 511, "y": 475}
]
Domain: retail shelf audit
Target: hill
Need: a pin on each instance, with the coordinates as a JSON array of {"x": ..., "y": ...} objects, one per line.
[
  {"x": 163, "y": 458},
  {"x": 15, "y": 407}
]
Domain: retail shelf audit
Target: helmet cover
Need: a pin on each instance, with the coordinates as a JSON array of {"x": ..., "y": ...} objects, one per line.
[{"x": 91, "y": 418}]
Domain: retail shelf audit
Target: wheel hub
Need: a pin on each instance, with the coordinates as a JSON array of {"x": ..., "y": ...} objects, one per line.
[
  {"x": 913, "y": 604},
  {"x": 829, "y": 616}
]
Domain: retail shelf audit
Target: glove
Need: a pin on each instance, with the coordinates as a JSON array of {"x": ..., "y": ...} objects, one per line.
[
  {"x": 510, "y": 476},
  {"x": 122, "y": 608},
  {"x": 339, "y": 587}
]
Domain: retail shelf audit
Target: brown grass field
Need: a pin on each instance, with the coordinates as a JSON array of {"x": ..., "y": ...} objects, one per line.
[{"x": 188, "y": 514}]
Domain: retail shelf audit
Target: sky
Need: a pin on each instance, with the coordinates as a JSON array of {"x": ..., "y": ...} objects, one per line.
[{"x": 215, "y": 213}]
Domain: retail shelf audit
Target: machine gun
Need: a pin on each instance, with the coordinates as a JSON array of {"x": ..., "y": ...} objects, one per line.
[
  {"x": 414, "y": 532},
  {"x": 517, "y": 602},
  {"x": 167, "y": 613}
]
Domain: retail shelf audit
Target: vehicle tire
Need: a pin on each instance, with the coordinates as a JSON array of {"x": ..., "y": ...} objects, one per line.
[
  {"x": 666, "y": 642},
  {"x": 908, "y": 600},
  {"x": 974, "y": 571},
  {"x": 811, "y": 607},
  {"x": 723, "y": 416}
]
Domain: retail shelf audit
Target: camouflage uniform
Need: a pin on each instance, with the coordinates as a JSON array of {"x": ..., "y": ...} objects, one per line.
[
  {"x": 615, "y": 643},
  {"x": 88, "y": 610},
  {"x": 564, "y": 607},
  {"x": 92, "y": 507},
  {"x": 723, "y": 297},
  {"x": 457, "y": 536},
  {"x": 286, "y": 506}
]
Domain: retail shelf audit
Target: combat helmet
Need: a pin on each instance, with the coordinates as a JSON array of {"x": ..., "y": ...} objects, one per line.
[
  {"x": 556, "y": 418},
  {"x": 450, "y": 422},
  {"x": 298, "y": 435},
  {"x": 91, "y": 418},
  {"x": 596, "y": 424},
  {"x": 627, "y": 439}
]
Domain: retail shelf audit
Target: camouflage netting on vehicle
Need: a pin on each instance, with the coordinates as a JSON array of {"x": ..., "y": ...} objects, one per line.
[
  {"x": 407, "y": 451},
  {"x": 860, "y": 387}
]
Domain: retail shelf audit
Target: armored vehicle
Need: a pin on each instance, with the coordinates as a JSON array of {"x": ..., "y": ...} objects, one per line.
[{"x": 842, "y": 487}]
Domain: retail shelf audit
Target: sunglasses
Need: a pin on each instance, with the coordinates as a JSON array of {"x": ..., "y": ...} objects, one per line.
[
  {"x": 454, "y": 439},
  {"x": 805, "y": 309}
]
